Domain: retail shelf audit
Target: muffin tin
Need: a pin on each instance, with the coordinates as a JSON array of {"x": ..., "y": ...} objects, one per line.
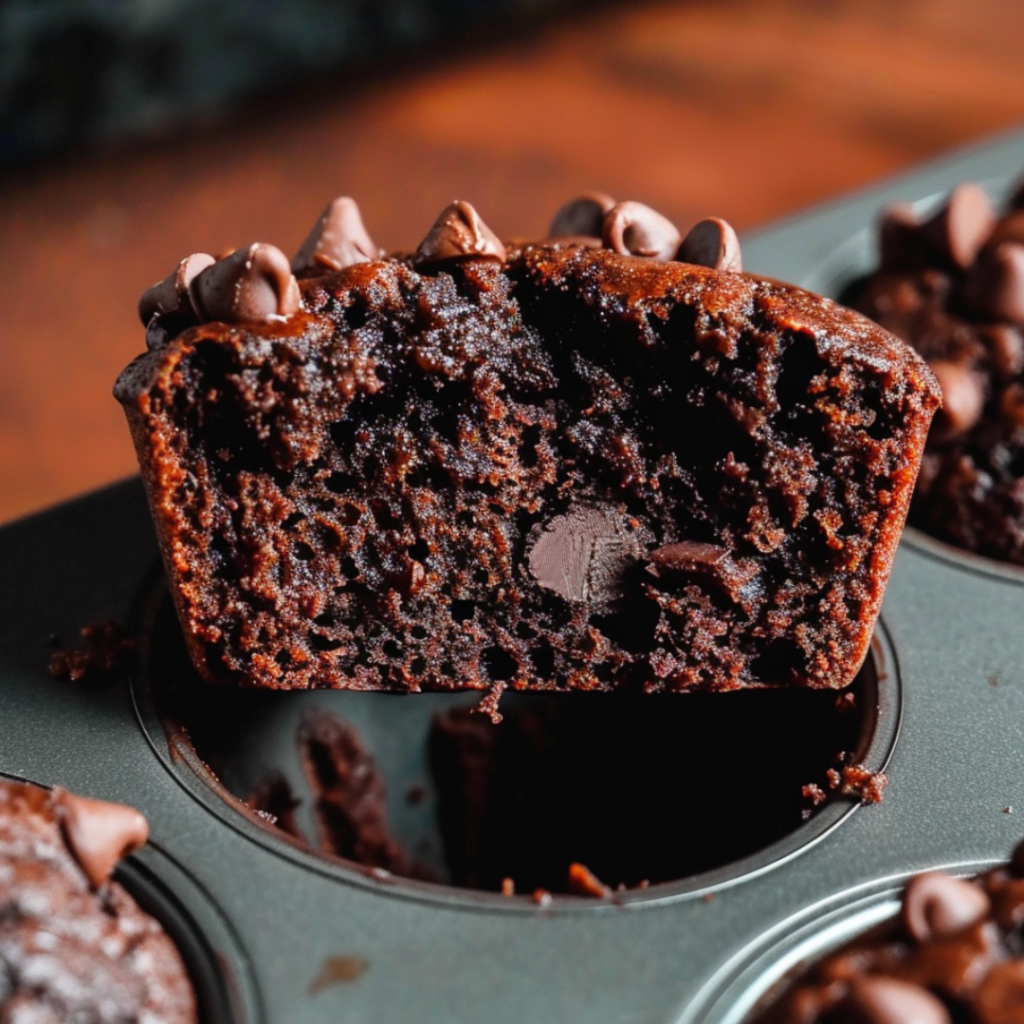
[{"x": 274, "y": 933}]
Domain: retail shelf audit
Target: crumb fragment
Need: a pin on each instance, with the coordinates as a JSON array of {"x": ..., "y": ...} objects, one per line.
[
  {"x": 508, "y": 887},
  {"x": 814, "y": 793},
  {"x": 541, "y": 897},
  {"x": 846, "y": 702},
  {"x": 489, "y": 703},
  {"x": 583, "y": 882},
  {"x": 337, "y": 970},
  {"x": 857, "y": 781},
  {"x": 107, "y": 647}
]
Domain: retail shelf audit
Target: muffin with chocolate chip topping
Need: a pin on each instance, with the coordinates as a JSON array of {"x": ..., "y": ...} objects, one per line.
[
  {"x": 952, "y": 285},
  {"x": 74, "y": 946},
  {"x": 605, "y": 460},
  {"x": 954, "y": 954}
]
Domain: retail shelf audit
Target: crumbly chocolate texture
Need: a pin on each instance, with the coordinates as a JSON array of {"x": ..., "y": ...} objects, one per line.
[
  {"x": 955, "y": 954},
  {"x": 106, "y": 647},
  {"x": 74, "y": 945},
  {"x": 565, "y": 468},
  {"x": 953, "y": 287}
]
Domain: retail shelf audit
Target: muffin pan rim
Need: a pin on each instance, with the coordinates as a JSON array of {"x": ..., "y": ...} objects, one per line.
[{"x": 807, "y": 935}]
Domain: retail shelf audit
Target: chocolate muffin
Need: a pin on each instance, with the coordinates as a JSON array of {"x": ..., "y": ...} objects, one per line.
[
  {"x": 74, "y": 945},
  {"x": 955, "y": 954},
  {"x": 585, "y": 463},
  {"x": 952, "y": 285}
]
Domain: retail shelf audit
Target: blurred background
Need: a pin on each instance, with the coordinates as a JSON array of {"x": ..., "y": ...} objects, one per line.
[{"x": 133, "y": 132}]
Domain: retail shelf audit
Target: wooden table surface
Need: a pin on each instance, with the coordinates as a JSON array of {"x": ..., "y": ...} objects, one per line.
[{"x": 741, "y": 109}]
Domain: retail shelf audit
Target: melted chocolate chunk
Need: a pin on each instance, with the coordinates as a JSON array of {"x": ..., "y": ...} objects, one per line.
[
  {"x": 583, "y": 555},
  {"x": 98, "y": 833},
  {"x": 711, "y": 561}
]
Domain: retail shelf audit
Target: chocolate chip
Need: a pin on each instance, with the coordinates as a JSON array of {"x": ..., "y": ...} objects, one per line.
[
  {"x": 709, "y": 561},
  {"x": 963, "y": 224},
  {"x": 170, "y": 296},
  {"x": 1009, "y": 229},
  {"x": 583, "y": 215},
  {"x": 999, "y": 997},
  {"x": 633, "y": 229},
  {"x": 899, "y": 237},
  {"x": 712, "y": 243},
  {"x": 250, "y": 284},
  {"x": 963, "y": 398},
  {"x": 582, "y": 555},
  {"x": 459, "y": 233},
  {"x": 995, "y": 283},
  {"x": 98, "y": 833},
  {"x": 937, "y": 905},
  {"x": 339, "y": 240},
  {"x": 888, "y": 1001},
  {"x": 1011, "y": 406},
  {"x": 1006, "y": 344}
]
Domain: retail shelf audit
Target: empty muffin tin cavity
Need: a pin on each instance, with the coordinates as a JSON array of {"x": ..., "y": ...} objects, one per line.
[{"x": 655, "y": 795}]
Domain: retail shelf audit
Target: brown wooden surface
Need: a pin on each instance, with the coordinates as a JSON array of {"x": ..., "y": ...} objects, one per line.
[{"x": 734, "y": 108}]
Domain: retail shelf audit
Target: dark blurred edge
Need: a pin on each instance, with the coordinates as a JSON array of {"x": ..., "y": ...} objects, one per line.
[{"x": 80, "y": 74}]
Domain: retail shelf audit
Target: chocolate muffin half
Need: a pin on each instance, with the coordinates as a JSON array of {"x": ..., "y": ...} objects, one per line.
[
  {"x": 565, "y": 465},
  {"x": 74, "y": 945}
]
